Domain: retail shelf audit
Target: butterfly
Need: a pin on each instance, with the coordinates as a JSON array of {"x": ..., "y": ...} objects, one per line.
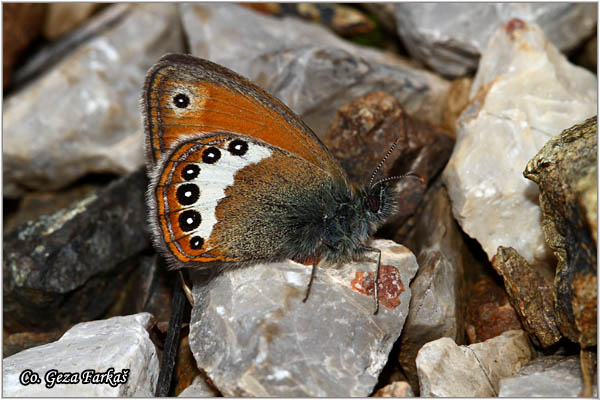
[{"x": 238, "y": 178}]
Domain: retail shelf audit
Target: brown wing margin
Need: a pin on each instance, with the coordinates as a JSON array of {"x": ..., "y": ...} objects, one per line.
[{"x": 226, "y": 101}]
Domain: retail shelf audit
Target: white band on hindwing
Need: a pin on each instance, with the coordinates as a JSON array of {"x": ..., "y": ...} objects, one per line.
[{"x": 212, "y": 181}]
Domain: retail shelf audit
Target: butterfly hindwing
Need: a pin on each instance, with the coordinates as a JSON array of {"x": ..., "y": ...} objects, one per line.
[
  {"x": 192, "y": 180},
  {"x": 215, "y": 195}
]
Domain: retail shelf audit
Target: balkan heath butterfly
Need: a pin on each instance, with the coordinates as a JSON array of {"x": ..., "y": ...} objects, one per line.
[{"x": 238, "y": 178}]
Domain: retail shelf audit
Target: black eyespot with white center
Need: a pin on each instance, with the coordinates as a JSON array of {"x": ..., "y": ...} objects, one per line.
[
  {"x": 211, "y": 155},
  {"x": 190, "y": 172},
  {"x": 187, "y": 194},
  {"x": 196, "y": 243},
  {"x": 238, "y": 147},
  {"x": 181, "y": 100},
  {"x": 189, "y": 220}
]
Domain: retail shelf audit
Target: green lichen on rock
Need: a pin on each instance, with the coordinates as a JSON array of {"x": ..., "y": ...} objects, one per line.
[{"x": 566, "y": 171}]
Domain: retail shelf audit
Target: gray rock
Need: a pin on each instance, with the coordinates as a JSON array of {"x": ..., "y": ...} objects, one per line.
[
  {"x": 199, "y": 388},
  {"x": 120, "y": 343},
  {"x": 449, "y": 37},
  {"x": 552, "y": 376},
  {"x": 525, "y": 92},
  {"x": 54, "y": 51},
  {"x": 82, "y": 116},
  {"x": 69, "y": 266},
  {"x": 440, "y": 288},
  {"x": 448, "y": 370},
  {"x": 310, "y": 69},
  {"x": 253, "y": 335}
]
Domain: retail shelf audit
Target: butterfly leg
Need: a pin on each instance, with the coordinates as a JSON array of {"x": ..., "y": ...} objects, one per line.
[
  {"x": 376, "y": 276},
  {"x": 186, "y": 289},
  {"x": 314, "y": 267},
  {"x": 312, "y": 278}
]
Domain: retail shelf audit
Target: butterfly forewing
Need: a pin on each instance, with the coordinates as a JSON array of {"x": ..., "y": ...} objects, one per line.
[{"x": 185, "y": 95}]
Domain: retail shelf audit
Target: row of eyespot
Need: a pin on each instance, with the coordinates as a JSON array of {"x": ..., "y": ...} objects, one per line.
[
  {"x": 189, "y": 193},
  {"x": 212, "y": 155}
]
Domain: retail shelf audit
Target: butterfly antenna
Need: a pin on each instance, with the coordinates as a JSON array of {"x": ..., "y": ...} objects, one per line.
[
  {"x": 382, "y": 162},
  {"x": 397, "y": 177}
]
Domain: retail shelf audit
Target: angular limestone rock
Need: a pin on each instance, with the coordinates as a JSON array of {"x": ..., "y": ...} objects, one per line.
[
  {"x": 524, "y": 93},
  {"x": 306, "y": 66},
  {"x": 82, "y": 116},
  {"x": 449, "y": 37},
  {"x": 253, "y": 336},
  {"x": 552, "y": 376},
  {"x": 448, "y": 370},
  {"x": 438, "y": 304},
  {"x": 119, "y": 343}
]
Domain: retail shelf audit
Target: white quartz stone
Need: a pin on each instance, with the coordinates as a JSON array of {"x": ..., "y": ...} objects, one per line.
[
  {"x": 525, "y": 92},
  {"x": 120, "y": 343},
  {"x": 448, "y": 370}
]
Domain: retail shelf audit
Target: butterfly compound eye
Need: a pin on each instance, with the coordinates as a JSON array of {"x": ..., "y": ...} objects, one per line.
[
  {"x": 374, "y": 203},
  {"x": 181, "y": 100}
]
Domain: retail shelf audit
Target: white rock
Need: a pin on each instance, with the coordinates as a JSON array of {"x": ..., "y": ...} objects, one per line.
[
  {"x": 449, "y": 37},
  {"x": 120, "y": 343},
  {"x": 305, "y": 65},
  {"x": 448, "y": 370},
  {"x": 83, "y": 115},
  {"x": 253, "y": 335},
  {"x": 525, "y": 92}
]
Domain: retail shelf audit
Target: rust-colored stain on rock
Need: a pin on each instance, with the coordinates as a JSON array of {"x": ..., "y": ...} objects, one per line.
[
  {"x": 390, "y": 285},
  {"x": 513, "y": 25}
]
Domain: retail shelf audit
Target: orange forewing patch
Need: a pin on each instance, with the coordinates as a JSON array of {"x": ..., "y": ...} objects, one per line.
[
  {"x": 221, "y": 100},
  {"x": 217, "y": 108}
]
